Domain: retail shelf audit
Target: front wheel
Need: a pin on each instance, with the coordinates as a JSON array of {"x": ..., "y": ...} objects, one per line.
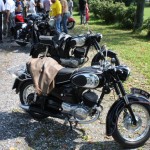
[
  {"x": 27, "y": 92},
  {"x": 97, "y": 60},
  {"x": 128, "y": 134}
]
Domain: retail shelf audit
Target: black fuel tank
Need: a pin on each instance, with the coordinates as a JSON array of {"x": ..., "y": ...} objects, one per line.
[{"x": 87, "y": 77}]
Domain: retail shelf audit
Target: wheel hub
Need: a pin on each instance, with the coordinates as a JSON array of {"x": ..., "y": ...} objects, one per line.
[
  {"x": 30, "y": 98},
  {"x": 128, "y": 123}
]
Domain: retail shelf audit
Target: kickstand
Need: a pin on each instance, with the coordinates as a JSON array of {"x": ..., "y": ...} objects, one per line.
[{"x": 71, "y": 125}]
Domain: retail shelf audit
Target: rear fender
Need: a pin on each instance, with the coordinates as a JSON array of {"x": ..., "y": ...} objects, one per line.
[
  {"x": 17, "y": 84},
  {"x": 71, "y": 19},
  {"x": 116, "y": 108}
]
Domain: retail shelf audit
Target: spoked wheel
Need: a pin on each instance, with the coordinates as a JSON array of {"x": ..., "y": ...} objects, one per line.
[
  {"x": 27, "y": 94},
  {"x": 70, "y": 25},
  {"x": 131, "y": 135},
  {"x": 21, "y": 42}
]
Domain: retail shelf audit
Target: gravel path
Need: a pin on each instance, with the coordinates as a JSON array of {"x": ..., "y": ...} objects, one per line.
[{"x": 18, "y": 131}]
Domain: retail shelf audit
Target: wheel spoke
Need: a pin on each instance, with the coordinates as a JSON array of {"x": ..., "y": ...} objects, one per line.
[{"x": 128, "y": 130}]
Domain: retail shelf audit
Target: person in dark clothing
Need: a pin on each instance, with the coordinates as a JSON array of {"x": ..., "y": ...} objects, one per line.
[
  {"x": 19, "y": 7},
  {"x": 82, "y": 10},
  {"x": 5, "y": 27},
  {"x": 2, "y": 8}
]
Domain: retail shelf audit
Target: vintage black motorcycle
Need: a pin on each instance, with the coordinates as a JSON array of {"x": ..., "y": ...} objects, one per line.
[
  {"x": 71, "y": 51},
  {"x": 24, "y": 30},
  {"x": 75, "y": 99}
]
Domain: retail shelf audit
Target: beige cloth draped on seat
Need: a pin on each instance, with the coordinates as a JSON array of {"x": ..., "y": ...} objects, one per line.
[{"x": 43, "y": 71}]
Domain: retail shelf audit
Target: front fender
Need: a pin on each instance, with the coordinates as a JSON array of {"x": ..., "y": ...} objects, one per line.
[
  {"x": 116, "y": 108},
  {"x": 98, "y": 56}
]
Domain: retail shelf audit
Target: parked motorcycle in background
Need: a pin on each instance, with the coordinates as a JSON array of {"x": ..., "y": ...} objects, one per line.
[
  {"x": 23, "y": 30},
  {"x": 75, "y": 98},
  {"x": 70, "y": 23},
  {"x": 72, "y": 51},
  {"x": 46, "y": 26}
]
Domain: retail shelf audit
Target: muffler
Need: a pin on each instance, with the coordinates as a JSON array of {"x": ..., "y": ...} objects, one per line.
[{"x": 25, "y": 107}]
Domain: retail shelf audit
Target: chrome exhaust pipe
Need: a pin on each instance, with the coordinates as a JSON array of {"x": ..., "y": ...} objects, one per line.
[{"x": 25, "y": 107}]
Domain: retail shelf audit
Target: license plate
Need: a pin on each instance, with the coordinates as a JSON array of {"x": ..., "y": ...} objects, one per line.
[{"x": 140, "y": 92}]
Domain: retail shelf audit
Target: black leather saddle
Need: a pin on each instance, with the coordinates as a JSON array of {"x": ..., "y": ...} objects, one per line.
[
  {"x": 46, "y": 40},
  {"x": 63, "y": 75}
]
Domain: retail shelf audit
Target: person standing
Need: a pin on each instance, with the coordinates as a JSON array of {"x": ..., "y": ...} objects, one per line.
[
  {"x": 4, "y": 16},
  {"x": 19, "y": 7},
  {"x": 87, "y": 14},
  {"x": 24, "y": 8},
  {"x": 82, "y": 10},
  {"x": 10, "y": 19},
  {"x": 65, "y": 15},
  {"x": 46, "y": 5},
  {"x": 56, "y": 13},
  {"x": 31, "y": 6},
  {"x": 18, "y": 11},
  {"x": 2, "y": 8},
  {"x": 70, "y": 6}
]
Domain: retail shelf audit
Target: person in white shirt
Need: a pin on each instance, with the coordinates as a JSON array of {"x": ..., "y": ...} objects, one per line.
[
  {"x": 10, "y": 19},
  {"x": 31, "y": 6},
  {"x": 2, "y": 8}
]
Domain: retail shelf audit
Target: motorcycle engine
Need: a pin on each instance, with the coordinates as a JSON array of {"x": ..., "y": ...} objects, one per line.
[{"x": 81, "y": 111}]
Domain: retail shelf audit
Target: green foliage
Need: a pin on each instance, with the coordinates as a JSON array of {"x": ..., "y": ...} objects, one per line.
[
  {"x": 127, "y": 21},
  {"x": 146, "y": 26},
  {"x": 112, "y": 12}
]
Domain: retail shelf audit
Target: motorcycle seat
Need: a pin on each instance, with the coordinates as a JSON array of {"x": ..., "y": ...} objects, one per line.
[
  {"x": 63, "y": 75},
  {"x": 46, "y": 40}
]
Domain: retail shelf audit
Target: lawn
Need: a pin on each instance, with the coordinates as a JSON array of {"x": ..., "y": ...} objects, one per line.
[
  {"x": 132, "y": 49},
  {"x": 147, "y": 12}
]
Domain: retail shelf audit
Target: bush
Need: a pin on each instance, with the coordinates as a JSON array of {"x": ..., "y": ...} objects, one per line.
[
  {"x": 107, "y": 10},
  {"x": 127, "y": 21},
  {"x": 112, "y": 12},
  {"x": 146, "y": 26}
]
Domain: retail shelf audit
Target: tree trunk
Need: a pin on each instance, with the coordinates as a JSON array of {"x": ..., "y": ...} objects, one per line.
[{"x": 139, "y": 15}]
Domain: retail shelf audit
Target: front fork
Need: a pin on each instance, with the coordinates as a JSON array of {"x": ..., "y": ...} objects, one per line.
[{"x": 125, "y": 97}]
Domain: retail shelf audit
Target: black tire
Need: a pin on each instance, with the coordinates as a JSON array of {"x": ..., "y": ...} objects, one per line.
[
  {"x": 124, "y": 119},
  {"x": 24, "y": 100},
  {"x": 70, "y": 25},
  {"x": 21, "y": 43},
  {"x": 97, "y": 58}
]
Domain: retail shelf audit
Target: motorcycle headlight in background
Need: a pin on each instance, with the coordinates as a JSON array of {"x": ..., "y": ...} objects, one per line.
[{"x": 123, "y": 72}]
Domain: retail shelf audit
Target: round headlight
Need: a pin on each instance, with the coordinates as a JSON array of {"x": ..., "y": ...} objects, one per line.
[{"x": 123, "y": 72}]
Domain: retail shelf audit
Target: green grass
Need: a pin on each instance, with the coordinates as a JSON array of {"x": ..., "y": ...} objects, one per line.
[
  {"x": 146, "y": 12},
  {"x": 132, "y": 49}
]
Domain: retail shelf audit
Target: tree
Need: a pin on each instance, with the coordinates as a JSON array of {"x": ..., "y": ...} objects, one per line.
[{"x": 139, "y": 15}]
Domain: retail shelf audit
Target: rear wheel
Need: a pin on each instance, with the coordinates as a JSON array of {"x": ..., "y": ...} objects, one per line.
[
  {"x": 70, "y": 25},
  {"x": 129, "y": 135},
  {"x": 21, "y": 42},
  {"x": 27, "y": 93},
  {"x": 21, "y": 38}
]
